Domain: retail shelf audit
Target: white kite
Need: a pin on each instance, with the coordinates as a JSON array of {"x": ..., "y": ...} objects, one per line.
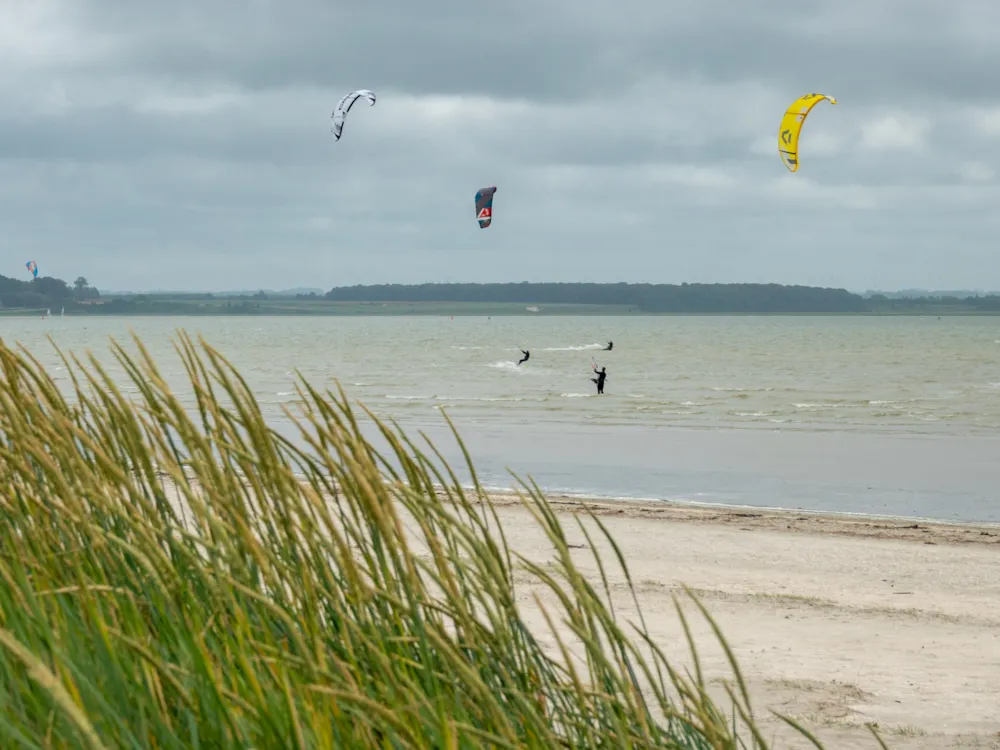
[{"x": 344, "y": 106}]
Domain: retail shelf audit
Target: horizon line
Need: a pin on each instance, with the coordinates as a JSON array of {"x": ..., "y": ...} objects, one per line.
[{"x": 321, "y": 291}]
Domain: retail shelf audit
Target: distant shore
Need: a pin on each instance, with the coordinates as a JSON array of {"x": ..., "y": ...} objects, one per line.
[
  {"x": 293, "y": 308},
  {"x": 461, "y": 298}
]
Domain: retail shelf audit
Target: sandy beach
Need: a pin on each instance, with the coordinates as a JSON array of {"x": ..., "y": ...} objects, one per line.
[{"x": 835, "y": 621}]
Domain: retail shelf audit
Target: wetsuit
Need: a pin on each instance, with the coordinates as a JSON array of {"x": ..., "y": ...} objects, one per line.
[
  {"x": 526, "y": 355},
  {"x": 608, "y": 347},
  {"x": 601, "y": 375}
]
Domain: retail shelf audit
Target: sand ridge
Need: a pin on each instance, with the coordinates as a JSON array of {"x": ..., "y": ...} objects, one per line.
[{"x": 797, "y": 521}]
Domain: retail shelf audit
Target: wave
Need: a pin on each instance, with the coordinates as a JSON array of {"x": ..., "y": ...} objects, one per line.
[
  {"x": 454, "y": 399},
  {"x": 485, "y": 399},
  {"x": 585, "y": 347},
  {"x": 741, "y": 390},
  {"x": 510, "y": 366}
]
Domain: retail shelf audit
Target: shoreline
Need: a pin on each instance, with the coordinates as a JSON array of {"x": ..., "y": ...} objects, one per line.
[
  {"x": 543, "y": 312},
  {"x": 920, "y": 478},
  {"x": 751, "y": 518},
  {"x": 841, "y": 523}
]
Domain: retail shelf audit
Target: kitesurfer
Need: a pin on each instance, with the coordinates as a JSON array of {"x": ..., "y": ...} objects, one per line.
[
  {"x": 601, "y": 375},
  {"x": 608, "y": 347},
  {"x": 525, "y": 359}
]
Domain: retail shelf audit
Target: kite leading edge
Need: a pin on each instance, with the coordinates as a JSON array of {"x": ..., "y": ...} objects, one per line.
[{"x": 791, "y": 126}]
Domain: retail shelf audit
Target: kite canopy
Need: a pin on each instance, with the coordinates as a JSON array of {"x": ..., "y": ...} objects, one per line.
[
  {"x": 484, "y": 206},
  {"x": 32, "y": 268},
  {"x": 344, "y": 106},
  {"x": 791, "y": 126}
]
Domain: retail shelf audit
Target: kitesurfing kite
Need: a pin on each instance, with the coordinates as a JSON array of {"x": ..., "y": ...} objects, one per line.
[
  {"x": 484, "y": 206},
  {"x": 344, "y": 106},
  {"x": 32, "y": 268},
  {"x": 791, "y": 126}
]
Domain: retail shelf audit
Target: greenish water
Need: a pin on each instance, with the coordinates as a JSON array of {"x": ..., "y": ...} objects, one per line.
[{"x": 891, "y": 415}]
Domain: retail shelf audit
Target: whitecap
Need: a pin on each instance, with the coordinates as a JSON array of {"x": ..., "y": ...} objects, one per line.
[{"x": 585, "y": 347}]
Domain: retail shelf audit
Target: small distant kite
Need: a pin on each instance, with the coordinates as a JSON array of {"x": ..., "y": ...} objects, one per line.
[
  {"x": 32, "y": 268},
  {"x": 484, "y": 206},
  {"x": 344, "y": 106},
  {"x": 791, "y": 126}
]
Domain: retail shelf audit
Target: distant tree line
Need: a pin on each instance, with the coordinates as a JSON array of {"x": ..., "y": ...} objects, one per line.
[
  {"x": 44, "y": 292},
  {"x": 693, "y": 298},
  {"x": 670, "y": 298},
  {"x": 48, "y": 292},
  {"x": 191, "y": 296}
]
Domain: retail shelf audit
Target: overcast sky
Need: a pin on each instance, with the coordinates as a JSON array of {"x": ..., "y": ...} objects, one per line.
[{"x": 187, "y": 144}]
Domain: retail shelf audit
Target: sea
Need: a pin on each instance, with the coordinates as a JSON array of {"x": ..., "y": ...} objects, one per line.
[{"x": 885, "y": 416}]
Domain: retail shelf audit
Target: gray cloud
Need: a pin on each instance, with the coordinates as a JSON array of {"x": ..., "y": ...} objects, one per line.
[{"x": 187, "y": 144}]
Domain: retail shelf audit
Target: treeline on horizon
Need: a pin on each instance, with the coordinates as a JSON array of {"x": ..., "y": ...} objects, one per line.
[
  {"x": 81, "y": 297},
  {"x": 656, "y": 298},
  {"x": 44, "y": 292}
]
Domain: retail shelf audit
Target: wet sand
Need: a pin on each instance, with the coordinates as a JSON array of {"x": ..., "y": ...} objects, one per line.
[
  {"x": 947, "y": 477},
  {"x": 835, "y": 621}
]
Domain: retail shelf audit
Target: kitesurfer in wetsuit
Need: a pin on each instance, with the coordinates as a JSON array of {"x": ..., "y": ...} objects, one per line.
[
  {"x": 601, "y": 375},
  {"x": 608, "y": 347},
  {"x": 526, "y": 355}
]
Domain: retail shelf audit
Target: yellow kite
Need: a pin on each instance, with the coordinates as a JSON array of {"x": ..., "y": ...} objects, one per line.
[{"x": 791, "y": 126}]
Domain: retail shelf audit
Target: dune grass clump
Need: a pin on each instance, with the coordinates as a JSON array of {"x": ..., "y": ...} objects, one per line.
[{"x": 178, "y": 577}]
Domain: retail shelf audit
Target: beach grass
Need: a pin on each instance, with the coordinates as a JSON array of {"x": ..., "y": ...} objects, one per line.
[{"x": 185, "y": 577}]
